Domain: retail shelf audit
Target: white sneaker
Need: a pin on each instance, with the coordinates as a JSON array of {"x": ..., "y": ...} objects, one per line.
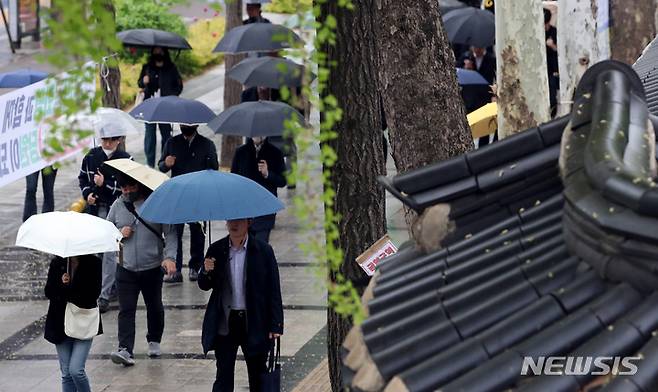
[
  {"x": 122, "y": 357},
  {"x": 154, "y": 349}
]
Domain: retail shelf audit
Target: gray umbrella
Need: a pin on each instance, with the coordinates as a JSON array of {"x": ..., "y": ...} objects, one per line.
[
  {"x": 148, "y": 38},
  {"x": 258, "y": 37},
  {"x": 272, "y": 72},
  {"x": 262, "y": 118},
  {"x": 172, "y": 110}
]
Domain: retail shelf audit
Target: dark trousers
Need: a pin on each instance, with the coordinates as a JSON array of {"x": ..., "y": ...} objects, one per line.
[
  {"x": 197, "y": 242},
  {"x": 48, "y": 175},
  {"x": 129, "y": 285},
  {"x": 226, "y": 351},
  {"x": 150, "y": 140}
]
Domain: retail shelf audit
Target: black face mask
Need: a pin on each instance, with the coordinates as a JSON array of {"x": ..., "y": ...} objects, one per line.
[
  {"x": 158, "y": 57},
  {"x": 187, "y": 132},
  {"x": 132, "y": 197}
]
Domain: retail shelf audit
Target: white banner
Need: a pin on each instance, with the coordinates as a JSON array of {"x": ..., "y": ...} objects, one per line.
[{"x": 22, "y": 137}]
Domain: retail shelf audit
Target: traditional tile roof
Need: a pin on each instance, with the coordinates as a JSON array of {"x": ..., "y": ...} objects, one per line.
[{"x": 549, "y": 249}]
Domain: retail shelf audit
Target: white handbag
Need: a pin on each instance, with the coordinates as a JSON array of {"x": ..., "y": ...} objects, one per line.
[{"x": 81, "y": 323}]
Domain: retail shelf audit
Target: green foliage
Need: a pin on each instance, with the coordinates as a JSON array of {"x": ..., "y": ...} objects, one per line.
[{"x": 288, "y": 6}]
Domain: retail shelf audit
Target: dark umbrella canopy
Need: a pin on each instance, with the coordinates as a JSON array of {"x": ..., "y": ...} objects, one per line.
[
  {"x": 467, "y": 76},
  {"x": 470, "y": 26},
  {"x": 257, "y": 37},
  {"x": 21, "y": 78},
  {"x": 249, "y": 119},
  {"x": 148, "y": 38},
  {"x": 272, "y": 72},
  {"x": 172, "y": 110}
]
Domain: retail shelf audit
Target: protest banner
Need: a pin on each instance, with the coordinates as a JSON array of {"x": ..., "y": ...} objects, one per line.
[{"x": 381, "y": 249}]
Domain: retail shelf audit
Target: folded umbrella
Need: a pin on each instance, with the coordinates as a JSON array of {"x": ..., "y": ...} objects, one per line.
[
  {"x": 172, "y": 110},
  {"x": 249, "y": 119},
  {"x": 67, "y": 234},
  {"x": 470, "y": 26},
  {"x": 143, "y": 174},
  {"x": 206, "y": 196},
  {"x": 468, "y": 76},
  {"x": 272, "y": 72},
  {"x": 21, "y": 78},
  {"x": 148, "y": 38},
  {"x": 257, "y": 37}
]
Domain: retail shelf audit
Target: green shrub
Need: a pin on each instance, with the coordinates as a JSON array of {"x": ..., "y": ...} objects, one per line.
[{"x": 288, "y": 6}]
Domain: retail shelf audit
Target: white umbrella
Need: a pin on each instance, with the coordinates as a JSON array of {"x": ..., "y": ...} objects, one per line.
[{"x": 67, "y": 234}]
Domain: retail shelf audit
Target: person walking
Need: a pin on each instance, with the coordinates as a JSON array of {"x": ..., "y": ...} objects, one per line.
[
  {"x": 245, "y": 308},
  {"x": 262, "y": 162},
  {"x": 254, "y": 13},
  {"x": 48, "y": 175},
  {"x": 159, "y": 77},
  {"x": 187, "y": 153},
  {"x": 100, "y": 190},
  {"x": 141, "y": 263},
  {"x": 77, "y": 281}
]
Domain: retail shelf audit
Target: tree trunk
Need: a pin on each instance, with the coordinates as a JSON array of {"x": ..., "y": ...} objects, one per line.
[
  {"x": 424, "y": 110},
  {"x": 522, "y": 78},
  {"x": 232, "y": 88},
  {"x": 578, "y": 46},
  {"x": 111, "y": 75},
  {"x": 359, "y": 199},
  {"x": 632, "y": 28}
]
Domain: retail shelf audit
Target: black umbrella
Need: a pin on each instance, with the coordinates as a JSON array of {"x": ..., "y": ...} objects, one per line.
[
  {"x": 272, "y": 72},
  {"x": 257, "y": 37},
  {"x": 448, "y": 5},
  {"x": 262, "y": 118},
  {"x": 470, "y": 26},
  {"x": 173, "y": 110},
  {"x": 148, "y": 38}
]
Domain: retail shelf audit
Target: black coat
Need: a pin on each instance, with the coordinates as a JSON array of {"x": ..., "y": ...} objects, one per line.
[
  {"x": 201, "y": 154},
  {"x": 487, "y": 67},
  {"x": 245, "y": 163},
  {"x": 165, "y": 78},
  {"x": 263, "y": 295},
  {"x": 91, "y": 163},
  {"x": 84, "y": 289}
]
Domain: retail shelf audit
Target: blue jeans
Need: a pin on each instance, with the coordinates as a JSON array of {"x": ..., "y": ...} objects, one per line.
[
  {"x": 48, "y": 185},
  {"x": 150, "y": 139},
  {"x": 72, "y": 354}
]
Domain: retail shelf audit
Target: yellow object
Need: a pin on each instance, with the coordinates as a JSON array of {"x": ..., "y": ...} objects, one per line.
[
  {"x": 483, "y": 121},
  {"x": 78, "y": 205}
]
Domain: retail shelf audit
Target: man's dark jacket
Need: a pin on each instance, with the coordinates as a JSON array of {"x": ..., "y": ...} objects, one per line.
[
  {"x": 84, "y": 289},
  {"x": 165, "y": 78},
  {"x": 487, "y": 67},
  {"x": 201, "y": 154},
  {"x": 91, "y": 164},
  {"x": 262, "y": 294}
]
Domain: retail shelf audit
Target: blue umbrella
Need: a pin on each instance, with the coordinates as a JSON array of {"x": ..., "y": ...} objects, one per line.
[
  {"x": 467, "y": 76},
  {"x": 206, "y": 196},
  {"x": 21, "y": 78},
  {"x": 172, "y": 109}
]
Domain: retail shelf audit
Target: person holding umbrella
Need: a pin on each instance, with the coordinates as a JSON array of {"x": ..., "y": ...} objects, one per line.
[
  {"x": 245, "y": 308},
  {"x": 159, "y": 77},
  {"x": 145, "y": 257},
  {"x": 254, "y": 13},
  {"x": 186, "y": 153}
]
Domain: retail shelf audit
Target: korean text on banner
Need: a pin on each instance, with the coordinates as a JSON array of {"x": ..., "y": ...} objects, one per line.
[
  {"x": 381, "y": 249},
  {"x": 22, "y": 137}
]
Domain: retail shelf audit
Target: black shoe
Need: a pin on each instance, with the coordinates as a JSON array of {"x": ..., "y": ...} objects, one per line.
[
  {"x": 194, "y": 276},
  {"x": 175, "y": 278},
  {"x": 103, "y": 305}
]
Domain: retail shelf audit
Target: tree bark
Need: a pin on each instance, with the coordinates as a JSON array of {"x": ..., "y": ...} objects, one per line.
[
  {"x": 111, "y": 78},
  {"x": 632, "y": 28},
  {"x": 522, "y": 78},
  {"x": 232, "y": 88},
  {"x": 578, "y": 46},
  {"x": 359, "y": 199}
]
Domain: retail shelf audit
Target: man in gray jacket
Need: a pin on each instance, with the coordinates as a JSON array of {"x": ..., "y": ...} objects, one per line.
[{"x": 144, "y": 259}]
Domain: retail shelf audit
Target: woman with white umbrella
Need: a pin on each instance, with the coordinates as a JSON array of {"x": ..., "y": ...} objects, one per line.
[{"x": 73, "y": 284}]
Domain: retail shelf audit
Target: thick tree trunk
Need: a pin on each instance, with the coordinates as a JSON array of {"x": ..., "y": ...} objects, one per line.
[
  {"x": 522, "y": 78},
  {"x": 232, "y": 89},
  {"x": 578, "y": 46},
  {"x": 359, "y": 199},
  {"x": 632, "y": 28},
  {"x": 111, "y": 76},
  {"x": 424, "y": 110}
]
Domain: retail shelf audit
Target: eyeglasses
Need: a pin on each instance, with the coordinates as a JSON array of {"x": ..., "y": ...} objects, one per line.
[{"x": 114, "y": 138}]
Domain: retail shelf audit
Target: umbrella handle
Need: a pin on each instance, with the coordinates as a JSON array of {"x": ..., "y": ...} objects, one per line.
[
  {"x": 209, "y": 234},
  {"x": 68, "y": 264}
]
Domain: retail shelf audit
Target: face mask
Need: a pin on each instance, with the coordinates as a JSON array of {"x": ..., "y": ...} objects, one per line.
[
  {"x": 132, "y": 196},
  {"x": 158, "y": 57},
  {"x": 188, "y": 131},
  {"x": 108, "y": 152}
]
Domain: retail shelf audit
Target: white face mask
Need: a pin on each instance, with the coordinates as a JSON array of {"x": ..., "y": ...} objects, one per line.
[{"x": 108, "y": 152}]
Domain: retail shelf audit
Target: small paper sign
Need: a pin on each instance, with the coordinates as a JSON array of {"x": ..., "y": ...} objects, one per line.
[{"x": 381, "y": 249}]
